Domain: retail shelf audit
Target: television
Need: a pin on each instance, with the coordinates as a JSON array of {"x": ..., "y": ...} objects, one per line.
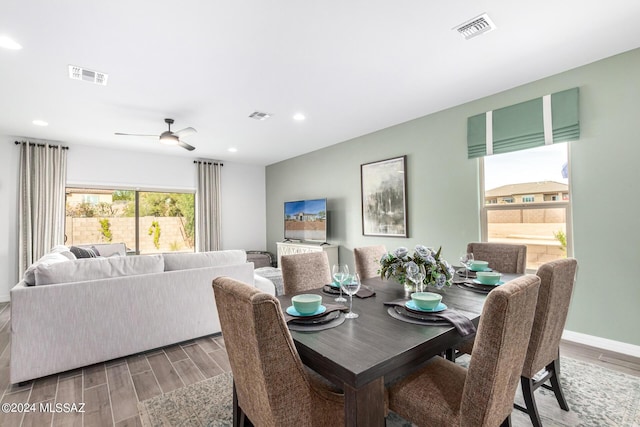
[{"x": 306, "y": 220}]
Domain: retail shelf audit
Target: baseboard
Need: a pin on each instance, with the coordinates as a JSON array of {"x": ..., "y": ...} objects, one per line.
[
  {"x": 4, "y": 298},
  {"x": 601, "y": 343}
]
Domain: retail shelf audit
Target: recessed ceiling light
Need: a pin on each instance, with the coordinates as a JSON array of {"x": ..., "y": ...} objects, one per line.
[
  {"x": 232, "y": 149},
  {"x": 40, "y": 123},
  {"x": 298, "y": 116},
  {"x": 9, "y": 43}
]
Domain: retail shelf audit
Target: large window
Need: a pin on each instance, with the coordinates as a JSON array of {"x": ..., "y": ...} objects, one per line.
[
  {"x": 526, "y": 201},
  {"x": 146, "y": 221}
]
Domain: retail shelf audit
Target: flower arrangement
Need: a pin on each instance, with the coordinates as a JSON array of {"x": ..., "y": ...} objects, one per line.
[{"x": 402, "y": 266}]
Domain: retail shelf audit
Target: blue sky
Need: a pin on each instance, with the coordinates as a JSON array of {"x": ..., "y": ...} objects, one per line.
[
  {"x": 533, "y": 165},
  {"x": 306, "y": 206}
]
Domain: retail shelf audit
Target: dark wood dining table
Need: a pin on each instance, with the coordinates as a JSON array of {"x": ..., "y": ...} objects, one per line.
[{"x": 362, "y": 355}]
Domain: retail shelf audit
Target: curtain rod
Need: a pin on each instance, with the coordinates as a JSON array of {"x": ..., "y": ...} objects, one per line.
[
  {"x": 33, "y": 144},
  {"x": 208, "y": 163}
]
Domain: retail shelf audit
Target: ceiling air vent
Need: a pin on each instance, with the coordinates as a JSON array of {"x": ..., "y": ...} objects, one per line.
[
  {"x": 79, "y": 73},
  {"x": 476, "y": 26},
  {"x": 259, "y": 115}
]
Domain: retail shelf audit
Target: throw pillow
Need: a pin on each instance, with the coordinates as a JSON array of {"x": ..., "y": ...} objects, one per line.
[{"x": 82, "y": 252}]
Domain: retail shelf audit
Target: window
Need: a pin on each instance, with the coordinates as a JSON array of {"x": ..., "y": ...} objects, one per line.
[
  {"x": 532, "y": 189},
  {"x": 146, "y": 221}
]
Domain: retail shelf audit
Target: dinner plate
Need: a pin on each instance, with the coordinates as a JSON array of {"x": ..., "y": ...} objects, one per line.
[
  {"x": 412, "y": 306},
  {"x": 482, "y": 269},
  {"x": 317, "y": 320},
  {"x": 293, "y": 312},
  {"x": 334, "y": 285},
  {"x": 488, "y": 284}
]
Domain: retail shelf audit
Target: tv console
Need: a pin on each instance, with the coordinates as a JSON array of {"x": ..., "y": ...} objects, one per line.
[{"x": 290, "y": 248}]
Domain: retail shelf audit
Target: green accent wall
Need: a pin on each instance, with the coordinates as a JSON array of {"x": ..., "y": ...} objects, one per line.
[{"x": 443, "y": 188}]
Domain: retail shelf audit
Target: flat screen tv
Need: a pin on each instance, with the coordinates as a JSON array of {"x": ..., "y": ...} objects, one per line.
[{"x": 306, "y": 220}]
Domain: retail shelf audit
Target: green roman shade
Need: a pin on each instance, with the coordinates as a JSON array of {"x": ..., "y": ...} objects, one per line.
[{"x": 546, "y": 120}]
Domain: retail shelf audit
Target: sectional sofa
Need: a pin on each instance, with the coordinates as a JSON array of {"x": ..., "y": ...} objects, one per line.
[{"x": 78, "y": 312}]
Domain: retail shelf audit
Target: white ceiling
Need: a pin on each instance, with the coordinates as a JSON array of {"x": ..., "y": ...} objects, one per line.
[{"x": 352, "y": 67}]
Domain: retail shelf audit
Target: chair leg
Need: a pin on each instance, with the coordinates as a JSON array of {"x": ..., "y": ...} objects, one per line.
[
  {"x": 555, "y": 383},
  {"x": 506, "y": 422},
  {"x": 450, "y": 354},
  {"x": 238, "y": 414},
  {"x": 530, "y": 401}
]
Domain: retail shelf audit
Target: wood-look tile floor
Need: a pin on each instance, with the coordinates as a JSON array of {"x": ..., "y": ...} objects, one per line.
[{"x": 111, "y": 390}]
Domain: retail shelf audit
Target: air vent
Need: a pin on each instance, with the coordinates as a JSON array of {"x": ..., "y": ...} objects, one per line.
[
  {"x": 257, "y": 115},
  {"x": 476, "y": 26},
  {"x": 79, "y": 73}
]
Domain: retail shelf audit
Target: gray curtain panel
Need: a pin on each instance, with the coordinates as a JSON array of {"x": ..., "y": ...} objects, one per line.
[
  {"x": 43, "y": 175},
  {"x": 208, "y": 206}
]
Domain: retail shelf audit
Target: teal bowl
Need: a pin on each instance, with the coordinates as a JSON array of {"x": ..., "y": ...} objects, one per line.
[
  {"x": 306, "y": 303},
  {"x": 478, "y": 265},
  {"x": 488, "y": 277},
  {"x": 426, "y": 300}
]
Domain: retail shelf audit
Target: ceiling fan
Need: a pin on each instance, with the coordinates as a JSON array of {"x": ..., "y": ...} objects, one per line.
[{"x": 170, "y": 138}]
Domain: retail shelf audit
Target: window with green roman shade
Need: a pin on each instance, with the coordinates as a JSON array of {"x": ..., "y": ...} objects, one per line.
[{"x": 546, "y": 120}]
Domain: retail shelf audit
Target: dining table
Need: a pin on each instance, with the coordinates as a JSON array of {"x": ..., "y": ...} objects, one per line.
[{"x": 362, "y": 355}]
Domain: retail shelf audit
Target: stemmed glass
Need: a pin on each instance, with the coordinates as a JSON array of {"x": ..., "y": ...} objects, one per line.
[
  {"x": 466, "y": 260},
  {"x": 340, "y": 274},
  {"x": 418, "y": 278},
  {"x": 351, "y": 285}
]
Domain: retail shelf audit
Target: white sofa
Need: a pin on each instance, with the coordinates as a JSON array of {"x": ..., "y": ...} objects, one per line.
[{"x": 74, "y": 316}]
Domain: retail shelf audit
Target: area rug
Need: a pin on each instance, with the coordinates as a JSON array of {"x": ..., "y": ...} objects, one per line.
[{"x": 597, "y": 397}]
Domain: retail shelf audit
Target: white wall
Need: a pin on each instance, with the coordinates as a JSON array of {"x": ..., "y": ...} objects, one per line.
[{"x": 242, "y": 193}]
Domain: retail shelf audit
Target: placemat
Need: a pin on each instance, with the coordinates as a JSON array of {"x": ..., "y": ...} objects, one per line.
[
  {"x": 317, "y": 327},
  {"x": 363, "y": 292},
  {"x": 463, "y": 325},
  {"x": 475, "y": 287},
  {"x": 330, "y": 308}
]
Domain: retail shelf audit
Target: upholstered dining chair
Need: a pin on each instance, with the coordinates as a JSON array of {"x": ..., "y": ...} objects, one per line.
[
  {"x": 502, "y": 257},
  {"x": 446, "y": 394},
  {"x": 302, "y": 272},
  {"x": 367, "y": 260},
  {"x": 271, "y": 385},
  {"x": 543, "y": 354}
]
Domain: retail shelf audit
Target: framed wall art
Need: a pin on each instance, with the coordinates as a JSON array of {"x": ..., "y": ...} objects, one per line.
[{"x": 384, "y": 197}]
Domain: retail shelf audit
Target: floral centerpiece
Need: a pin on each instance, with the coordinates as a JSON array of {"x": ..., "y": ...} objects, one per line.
[{"x": 403, "y": 266}]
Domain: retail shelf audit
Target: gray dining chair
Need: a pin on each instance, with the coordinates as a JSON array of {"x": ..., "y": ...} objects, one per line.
[
  {"x": 367, "y": 260},
  {"x": 271, "y": 386},
  {"x": 502, "y": 257},
  {"x": 303, "y": 272},
  {"x": 542, "y": 363},
  {"x": 446, "y": 394}
]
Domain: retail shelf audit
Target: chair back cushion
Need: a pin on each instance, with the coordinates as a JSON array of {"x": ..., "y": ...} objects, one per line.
[
  {"x": 367, "y": 260},
  {"x": 302, "y": 272},
  {"x": 556, "y": 287},
  {"x": 271, "y": 385},
  {"x": 498, "y": 353},
  {"x": 502, "y": 257}
]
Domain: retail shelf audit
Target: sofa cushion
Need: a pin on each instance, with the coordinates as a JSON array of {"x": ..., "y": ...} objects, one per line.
[
  {"x": 46, "y": 260},
  {"x": 185, "y": 261},
  {"x": 98, "y": 268}
]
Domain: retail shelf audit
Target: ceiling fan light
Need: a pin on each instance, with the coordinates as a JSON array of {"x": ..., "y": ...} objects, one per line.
[{"x": 168, "y": 139}]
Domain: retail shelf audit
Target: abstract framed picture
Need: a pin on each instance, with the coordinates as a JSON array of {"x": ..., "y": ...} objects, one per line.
[{"x": 384, "y": 197}]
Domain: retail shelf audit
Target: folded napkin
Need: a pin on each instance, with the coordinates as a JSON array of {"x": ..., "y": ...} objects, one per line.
[
  {"x": 463, "y": 325},
  {"x": 330, "y": 308},
  {"x": 363, "y": 292}
]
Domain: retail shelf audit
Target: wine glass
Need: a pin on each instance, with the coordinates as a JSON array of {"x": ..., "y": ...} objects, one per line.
[
  {"x": 340, "y": 274},
  {"x": 418, "y": 278},
  {"x": 466, "y": 259},
  {"x": 351, "y": 285}
]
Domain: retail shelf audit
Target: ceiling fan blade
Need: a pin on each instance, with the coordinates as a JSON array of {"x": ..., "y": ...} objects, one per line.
[
  {"x": 134, "y": 134},
  {"x": 186, "y": 146},
  {"x": 184, "y": 132}
]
